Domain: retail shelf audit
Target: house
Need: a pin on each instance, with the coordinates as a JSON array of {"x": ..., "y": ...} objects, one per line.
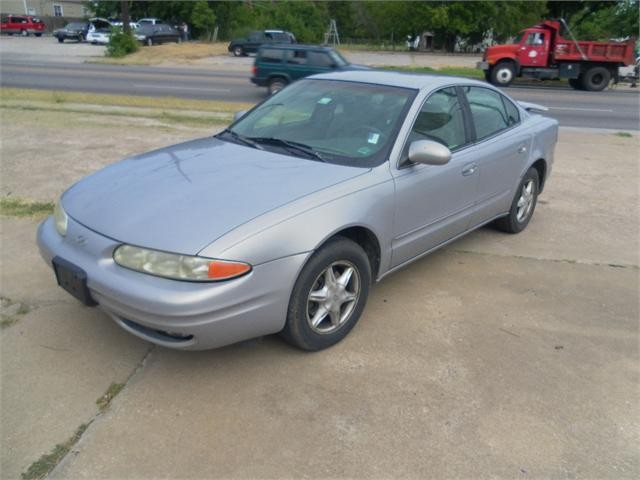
[{"x": 54, "y": 13}]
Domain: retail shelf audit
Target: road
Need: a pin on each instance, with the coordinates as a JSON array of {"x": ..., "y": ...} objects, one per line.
[{"x": 613, "y": 109}]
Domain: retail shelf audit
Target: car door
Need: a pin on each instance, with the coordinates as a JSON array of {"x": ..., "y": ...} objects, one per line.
[
  {"x": 435, "y": 203},
  {"x": 254, "y": 41},
  {"x": 501, "y": 145},
  {"x": 534, "y": 49},
  {"x": 296, "y": 63},
  {"x": 319, "y": 61}
]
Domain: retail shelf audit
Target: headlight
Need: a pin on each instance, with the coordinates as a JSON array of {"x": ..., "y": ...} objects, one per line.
[
  {"x": 178, "y": 267},
  {"x": 61, "y": 219}
]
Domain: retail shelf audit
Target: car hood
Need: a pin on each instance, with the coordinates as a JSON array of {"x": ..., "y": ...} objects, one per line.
[{"x": 182, "y": 198}]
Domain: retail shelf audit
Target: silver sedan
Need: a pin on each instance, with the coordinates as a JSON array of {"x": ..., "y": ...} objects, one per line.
[{"x": 283, "y": 221}]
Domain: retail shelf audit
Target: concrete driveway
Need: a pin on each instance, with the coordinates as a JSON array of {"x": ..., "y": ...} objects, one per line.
[{"x": 497, "y": 357}]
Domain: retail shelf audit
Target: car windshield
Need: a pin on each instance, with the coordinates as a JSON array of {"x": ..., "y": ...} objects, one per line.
[
  {"x": 339, "y": 122},
  {"x": 76, "y": 26}
]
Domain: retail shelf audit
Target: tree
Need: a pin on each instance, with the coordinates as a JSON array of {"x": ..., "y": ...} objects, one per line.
[{"x": 203, "y": 18}]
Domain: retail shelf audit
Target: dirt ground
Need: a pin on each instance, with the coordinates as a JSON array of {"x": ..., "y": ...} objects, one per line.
[
  {"x": 497, "y": 357},
  {"x": 214, "y": 56}
]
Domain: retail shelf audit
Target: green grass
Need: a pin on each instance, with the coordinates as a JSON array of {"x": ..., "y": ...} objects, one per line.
[
  {"x": 455, "y": 71},
  {"x": 17, "y": 207},
  {"x": 47, "y": 462},
  {"x": 623, "y": 134},
  {"x": 105, "y": 400},
  {"x": 7, "y": 320},
  {"x": 161, "y": 103}
]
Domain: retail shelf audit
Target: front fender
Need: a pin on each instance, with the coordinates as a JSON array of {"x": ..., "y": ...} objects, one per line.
[{"x": 303, "y": 226}]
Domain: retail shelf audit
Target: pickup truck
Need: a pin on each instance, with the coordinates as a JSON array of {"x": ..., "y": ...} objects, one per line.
[
  {"x": 541, "y": 52},
  {"x": 22, "y": 25}
]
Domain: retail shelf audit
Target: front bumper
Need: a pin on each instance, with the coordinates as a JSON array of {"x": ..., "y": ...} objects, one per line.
[{"x": 175, "y": 314}]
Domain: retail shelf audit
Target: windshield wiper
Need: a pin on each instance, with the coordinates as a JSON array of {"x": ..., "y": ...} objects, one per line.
[
  {"x": 241, "y": 138},
  {"x": 299, "y": 147}
]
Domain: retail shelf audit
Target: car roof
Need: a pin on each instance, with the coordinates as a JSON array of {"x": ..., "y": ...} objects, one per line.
[
  {"x": 295, "y": 46},
  {"x": 398, "y": 79}
]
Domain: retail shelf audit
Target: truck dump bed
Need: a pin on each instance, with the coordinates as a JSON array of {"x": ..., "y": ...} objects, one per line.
[{"x": 610, "y": 52}]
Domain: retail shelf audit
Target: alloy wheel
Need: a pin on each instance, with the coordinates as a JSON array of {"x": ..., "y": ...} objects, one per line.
[{"x": 333, "y": 297}]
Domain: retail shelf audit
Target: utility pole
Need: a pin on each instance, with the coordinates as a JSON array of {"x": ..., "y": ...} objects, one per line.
[{"x": 126, "y": 28}]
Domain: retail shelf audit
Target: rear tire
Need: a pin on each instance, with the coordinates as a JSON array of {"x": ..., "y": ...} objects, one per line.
[
  {"x": 276, "y": 84},
  {"x": 596, "y": 79},
  {"x": 329, "y": 296},
  {"x": 523, "y": 204},
  {"x": 38, "y": 34},
  {"x": 503, "y": 73},
  {"x": 60, "y": 40},
  {"x": 149, "y": 42}
]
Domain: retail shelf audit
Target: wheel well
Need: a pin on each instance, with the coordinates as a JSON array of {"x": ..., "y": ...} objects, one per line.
[
  {"x": 278, "y": 76},
  {"x": 369, "y": 243},
  {"x": 541, "y": 166},
  {"x": 516, "y": 64}
]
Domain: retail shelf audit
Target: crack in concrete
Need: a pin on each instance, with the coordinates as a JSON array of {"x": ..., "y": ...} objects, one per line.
[
  {"x": 139, "y": 366},
  {"x": 553, "y": 260}
]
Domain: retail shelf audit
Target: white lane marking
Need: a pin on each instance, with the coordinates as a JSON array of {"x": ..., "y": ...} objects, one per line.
[
  {"x": 168, "y": 87},
  {"x": 580, "y": 109}
]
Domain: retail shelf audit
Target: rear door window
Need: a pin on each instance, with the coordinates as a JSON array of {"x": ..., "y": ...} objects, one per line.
[
  {"x": 487, "y": 111},
  {"x": 271, "y": 55},
  {"x": 296, "y": 57}
]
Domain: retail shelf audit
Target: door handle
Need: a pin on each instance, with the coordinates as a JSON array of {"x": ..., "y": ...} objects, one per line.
[
  {"x": 522, "y": 149},
  {"x": 469, "y": 169}
]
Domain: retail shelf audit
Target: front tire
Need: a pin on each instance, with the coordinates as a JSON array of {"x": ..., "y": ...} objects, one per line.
[
  {"x": 60, "y": 40},
  {"x": 38, "y": 34},
  {"x": 329, "y": 296},
  {"x": 523, "y": 204},
  {"x": 503, "y": 74},
  {"x": 238, "y": 51}
]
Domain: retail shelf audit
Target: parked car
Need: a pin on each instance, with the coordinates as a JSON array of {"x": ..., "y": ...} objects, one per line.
[
  {"x": 79, "y": 30},
  {"x": 243, "y": 46},
  {"x": 99, "y": 37},
  {"x": 157, "y": 33},
  {"x": 281, "y": 222},
  {"x": 149, "y": 21},
  {"x": 118, "y": 23},
  {"x": 22, "y": 25},
  {"x": 276, "y": 66},
  {"x": 72, "y": 31}
]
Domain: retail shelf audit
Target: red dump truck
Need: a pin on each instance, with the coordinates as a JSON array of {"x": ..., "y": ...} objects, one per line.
[{"x": 541, "y": 52}]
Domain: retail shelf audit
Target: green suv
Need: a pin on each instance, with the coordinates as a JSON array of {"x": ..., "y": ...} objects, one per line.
[{"x": 278, "y": 65}]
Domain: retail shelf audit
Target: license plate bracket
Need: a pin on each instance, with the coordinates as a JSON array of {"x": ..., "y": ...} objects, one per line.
[{"x": 73, "y": 279}]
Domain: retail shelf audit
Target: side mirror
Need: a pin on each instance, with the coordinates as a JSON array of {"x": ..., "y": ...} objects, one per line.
[
  {"x": 429, "y": 152},
  {"x": 238, "y": 115}
]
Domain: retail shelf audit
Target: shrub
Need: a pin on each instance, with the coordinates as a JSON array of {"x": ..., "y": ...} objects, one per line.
[{"x": 121, "y": 44}]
